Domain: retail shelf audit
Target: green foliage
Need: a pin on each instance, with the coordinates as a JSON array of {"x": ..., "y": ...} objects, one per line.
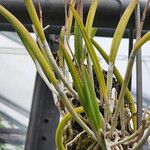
[
  {"x": 120, "y": 30},
  {"x": 80, "y": 68},
  {"x": 90, "y": 102},
  {"x": 78, "y": 42},
  {"x": 34, "y": 17},
  {"x": 91, "y": 52},
  {"x": 60, "y": 51},
  {"x": 91, "y": 15},
  {"x": 61, "y": 126},
  {"x": 73, "y": 71},
  {"x": 27, "y": 40},
  {"x": 117, "y": 74}
]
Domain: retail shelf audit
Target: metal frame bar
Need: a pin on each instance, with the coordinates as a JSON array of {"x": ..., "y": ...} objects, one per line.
[
  {"x": 12, "y": 136},
  {"x": 14, "y": 121},
  {"x": 44, "y": 118},
  {"x": 14, "y": 106},
  {"x": 109, "y": 17},
  {"x": 139, "y": 95},
  {"x": 55, "y": 29}
]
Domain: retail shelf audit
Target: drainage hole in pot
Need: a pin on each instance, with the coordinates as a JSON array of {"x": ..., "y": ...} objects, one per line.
[
  {"x": 43, "y": 138},
  {"x": 46, "y": 120}
]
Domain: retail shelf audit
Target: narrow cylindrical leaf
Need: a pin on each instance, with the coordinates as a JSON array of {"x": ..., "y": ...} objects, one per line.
[
  {"x": 60, "y": 51},
  {"x": 69, "y": 19},
  {"x": 120, "y": 30},
  {"x": 91, "y": 51},
  {"x": 61, "y": 127},
  {"x": 142, "y": 41},
  {"x": 34, "y": 17},
  {"x": 21, "y": 30},
  {"x": 95, "y": 61},
  {"x": 116, "y": 42},
  {"x": 120, "y": 80},
  {"x": 91, "y": 15}
]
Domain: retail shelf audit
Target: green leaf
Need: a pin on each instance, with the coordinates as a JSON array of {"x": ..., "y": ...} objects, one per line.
[
  {"x": 90, "y": 102},
  {"x": 60, "y": 51},
  {"x": 91, "y": 52},
  {"x": 120, "y": 80},
  {"x": 93, "y": 32},
  {"x": 34, "y": 17},
  {"x": 78, "y": 43},
  {"x": 28, "y": 40},
  {"x": 78, "y": 40},
  {"x": 85, "y": 90},
  {"x": 91, "y": 15},
  {"x": 130, "y": 64},
  {"x": 69, "y": 19},
  {"x": 141, "y": 42},
  {"x": 120, "y": 30}
]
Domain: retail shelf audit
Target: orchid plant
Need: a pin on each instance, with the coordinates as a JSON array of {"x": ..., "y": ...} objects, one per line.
[{"x": 75, "y": 80}]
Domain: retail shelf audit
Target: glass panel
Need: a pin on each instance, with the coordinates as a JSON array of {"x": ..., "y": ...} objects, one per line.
[{"x": 17, "y": 79}]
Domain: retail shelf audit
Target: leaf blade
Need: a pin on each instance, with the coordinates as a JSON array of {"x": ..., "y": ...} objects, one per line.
[
  {"x": 120, "y": 30},
  {"x": 90, "y": 103}
]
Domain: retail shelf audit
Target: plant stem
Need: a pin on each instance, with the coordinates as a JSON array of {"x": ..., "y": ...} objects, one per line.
[
  {"x": 41, "y": 46},
  {"x": 122, "y": 92},
  {"x": 56, "y": 68},
  {"x": 122, "y": 118},
  {"x": 41, "y": 73},
  {"x": 100, "y": 139},
  {"x": 109, "y": 79}
]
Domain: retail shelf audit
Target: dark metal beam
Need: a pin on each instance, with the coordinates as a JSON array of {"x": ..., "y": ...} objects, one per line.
[
  {"x": 44, "y": 118},
  {"x": 139, "y": 94},
  {"x": 108, "y": 12},
  {"x": 54, "y": 29}
]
